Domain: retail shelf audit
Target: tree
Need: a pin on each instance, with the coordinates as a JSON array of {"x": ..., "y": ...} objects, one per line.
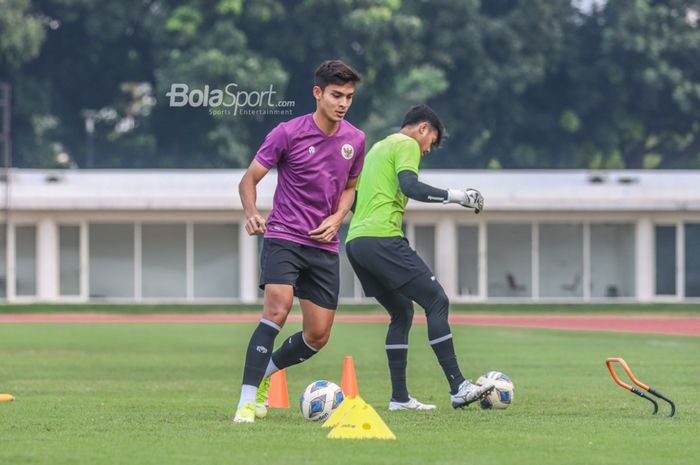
[
  {"x": 22, "y": 35},
  {"x": 640, "y": 84},
  {"x": 519, "y": 84}
]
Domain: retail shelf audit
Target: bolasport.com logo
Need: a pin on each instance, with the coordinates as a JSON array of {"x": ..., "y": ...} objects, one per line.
[{"x": 229, "y": 100}]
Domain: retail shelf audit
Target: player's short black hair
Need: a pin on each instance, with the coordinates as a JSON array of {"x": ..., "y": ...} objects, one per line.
[
  {"x": 423, "y": 113},
  {"x": 335, "y": 72}
]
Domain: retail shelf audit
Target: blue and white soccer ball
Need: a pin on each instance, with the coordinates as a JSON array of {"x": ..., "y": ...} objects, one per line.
[
  {"x": 319, "y": 400},
  {"x": 502, "y": 395}
]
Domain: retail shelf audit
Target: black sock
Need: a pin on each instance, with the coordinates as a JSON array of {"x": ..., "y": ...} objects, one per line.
[
  {"x": 430, "y": 295},
  {"x": 259, "y": 352},
  {"x": 401, "y": 310},
  {"x": 397, "y": 368},
  {"x": 445, "y": 352},
  {"x": 292, "y": 351}
]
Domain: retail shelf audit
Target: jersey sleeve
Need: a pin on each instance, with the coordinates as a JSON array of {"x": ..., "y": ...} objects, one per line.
[
  {"x": 274, "y": 148},
  {"x": 407, "y": 156},
  {"x": 356, "y": 168}
]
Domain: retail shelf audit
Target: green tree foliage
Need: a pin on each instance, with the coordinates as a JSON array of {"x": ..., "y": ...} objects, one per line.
[
  {"x": 22, "y": 34},
  {"x": 519, "y": 84},
  {"x": 640, "y": 83}
]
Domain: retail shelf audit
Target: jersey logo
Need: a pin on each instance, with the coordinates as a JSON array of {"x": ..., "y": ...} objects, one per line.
[
  {"x": 347, "y": 151},
  {"x": 312, "y": 150}
]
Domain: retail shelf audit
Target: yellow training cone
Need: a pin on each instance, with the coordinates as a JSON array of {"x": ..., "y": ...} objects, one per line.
[
  {"x": 363, "y": 422},
  {"x": 6, "y": 397},
  {"x": 343, "y": 409}
]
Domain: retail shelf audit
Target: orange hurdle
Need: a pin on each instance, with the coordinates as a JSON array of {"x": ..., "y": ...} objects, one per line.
[{"x": 609, "y": 362}]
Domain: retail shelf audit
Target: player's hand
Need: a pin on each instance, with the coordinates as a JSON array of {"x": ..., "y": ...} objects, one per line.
[
  {"x": 327, "y": 230},
  {"x": 468, "y": 198},
  {"x": 255, "y": 224},
  {"x": 474, "y": 200}
]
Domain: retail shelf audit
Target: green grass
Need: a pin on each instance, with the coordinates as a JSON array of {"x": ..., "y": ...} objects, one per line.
[
  {"x": 164, "y": 394},
  {"x": 670, "y": 309}
]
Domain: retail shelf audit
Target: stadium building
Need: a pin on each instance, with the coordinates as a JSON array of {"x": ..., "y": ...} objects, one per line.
[{"x": 177, "y": 236}]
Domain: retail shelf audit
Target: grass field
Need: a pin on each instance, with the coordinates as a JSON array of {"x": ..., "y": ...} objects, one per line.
[{"x": 164, "y": 394}]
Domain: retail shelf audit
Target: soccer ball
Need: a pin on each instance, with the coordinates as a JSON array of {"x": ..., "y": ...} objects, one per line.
[
  {"x": 319, "y": 400},
  {"x": 502, "y": 395}
]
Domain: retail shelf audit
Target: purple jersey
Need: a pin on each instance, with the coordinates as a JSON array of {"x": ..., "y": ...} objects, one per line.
[{"x": 312, "y": 171}]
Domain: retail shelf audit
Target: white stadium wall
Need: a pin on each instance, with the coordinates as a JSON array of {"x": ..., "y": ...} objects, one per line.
[{"x": 154, "y": 236}]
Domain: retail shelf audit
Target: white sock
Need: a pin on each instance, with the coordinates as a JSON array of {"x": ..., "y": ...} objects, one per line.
[
  {"x": 248, "y": 394},
  {"x": 271, "y": 368}
]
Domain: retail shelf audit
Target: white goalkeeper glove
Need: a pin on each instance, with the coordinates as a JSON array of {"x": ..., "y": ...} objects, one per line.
[{"x": 469, "y": 198}]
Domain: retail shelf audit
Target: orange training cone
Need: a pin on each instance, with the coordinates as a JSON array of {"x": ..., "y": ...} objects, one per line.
[
  {"x": 349, "y": 382},
  {"x": 278, "y": 396}
]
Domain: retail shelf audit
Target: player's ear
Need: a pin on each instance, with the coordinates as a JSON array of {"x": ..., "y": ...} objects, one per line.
[{"x": 317, "y": 91}]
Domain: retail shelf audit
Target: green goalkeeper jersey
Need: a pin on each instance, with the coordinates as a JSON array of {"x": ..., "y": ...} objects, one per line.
[{"x": 380, "y": 203}]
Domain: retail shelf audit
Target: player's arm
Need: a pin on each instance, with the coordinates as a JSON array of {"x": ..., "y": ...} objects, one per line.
[
  {"x": 327, "y": 230},
  {"x": 247, "y": 188},
  {"x": 416, "y": 190}
]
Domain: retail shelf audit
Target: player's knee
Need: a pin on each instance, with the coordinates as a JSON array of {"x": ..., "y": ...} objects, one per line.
[
  {"x": 317, "y": 339},
  {"x": 442, "y": 301},
  {"x": 277, "y": 307},
  {"x": 409, "y": 315},
  {"x": 439, "y": 304},
  {"x": 277, "y": 312},
  {"x": 407, "y": 318},
  {"x": 403, "y": 317}
]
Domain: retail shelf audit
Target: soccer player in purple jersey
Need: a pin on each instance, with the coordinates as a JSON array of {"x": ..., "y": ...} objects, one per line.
[{"x": 318, "y": 158}]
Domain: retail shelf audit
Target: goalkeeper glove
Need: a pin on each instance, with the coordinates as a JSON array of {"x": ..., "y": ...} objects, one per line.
[{"x": 469, "y": 198}]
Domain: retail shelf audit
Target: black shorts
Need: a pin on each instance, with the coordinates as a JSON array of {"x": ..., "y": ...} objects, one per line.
[
  {"x": 384, "y": 263},
  {"x": 314, "y": 273}
]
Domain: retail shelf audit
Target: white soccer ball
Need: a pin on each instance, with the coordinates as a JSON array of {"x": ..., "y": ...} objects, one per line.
[
  {"x": 319, "y": 400},
  {"x": 502, "y": 395}
]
